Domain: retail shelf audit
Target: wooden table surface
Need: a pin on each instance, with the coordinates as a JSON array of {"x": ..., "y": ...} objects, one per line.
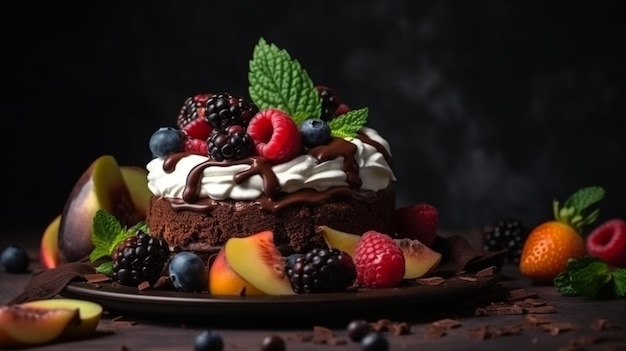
[{"x": 572, "y": 322}]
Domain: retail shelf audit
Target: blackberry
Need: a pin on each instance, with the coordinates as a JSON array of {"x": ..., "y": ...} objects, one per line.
[
  {"x": 231, "y": 144},
  {"x": 321, "y": 270},
  {"x": 139, "y": 258},
  {"x": 330, "y": 102},
  {"x": 224, "y": 110},
  {"x": 193, "y": 107},
  {"x": 506, "y": 234}
]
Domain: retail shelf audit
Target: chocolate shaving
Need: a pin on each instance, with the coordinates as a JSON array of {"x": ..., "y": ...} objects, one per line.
[
  {"x": 435, "y": 332},
  {"x": 97, "y": 278},
  {"x": 120, "y": 321},
  {"x": 558, "y": 327},
  {"x": 535, "y": 320},
  {"x": 600, "y": 324},
  {"x": 395, "y": 328},
  {"x": 162, "y": 282},
  {"x": 322, "y": 331},
  {"x": 431, "y": 281},
  {"x": 447, "y": 323},
  {"x": 541, "y": 310},
  {"x": 487, "y": 272},
  {"x": 468, "y": 279},
  {"x": 520, "y": 294},
  {"x": 487, "y": 332},
  {"x": 143, "y": 286},
  {"x": 300, "y": 337}
]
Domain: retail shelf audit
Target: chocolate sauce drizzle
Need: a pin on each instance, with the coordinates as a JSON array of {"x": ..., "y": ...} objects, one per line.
[{"x": 274, "y": 199}]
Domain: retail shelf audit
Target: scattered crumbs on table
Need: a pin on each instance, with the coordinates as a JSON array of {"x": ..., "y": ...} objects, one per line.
[
  {"x": 395, "y": 328},
  {"x": 557, "y": 328},
  {"x": 603, "y": 324},
  {"x": 533, "y": 320},
  {"x": 487, "y": 332},
  {"x": 447, "y": 323}
]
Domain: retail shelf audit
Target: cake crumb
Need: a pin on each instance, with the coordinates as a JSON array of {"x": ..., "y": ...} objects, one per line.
[{"x": 143, "y": 286}]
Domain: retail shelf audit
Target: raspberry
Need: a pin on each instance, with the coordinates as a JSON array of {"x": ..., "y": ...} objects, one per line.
[
  {"x": 276, "y": 136},
  {"x": 379, "y": 261},
  {"x": 196, "y": 146},
  {"x": 191, "y": 119},
  {"x": 608, "y": 242},
  {"x": 418, "y": 221}
]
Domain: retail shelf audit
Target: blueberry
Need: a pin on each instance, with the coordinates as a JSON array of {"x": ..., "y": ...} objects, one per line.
[
  {"x": 374, "y": 342},
  {"x": 166, "y": 141},
  {"x": 291, "y": 259},
  {"x": 357, "y": 329},
  {"x": 14, "y": 259},
  {"x": 188, "y": 272},
  {"x": 273, "y": 343},
  {"x": 209, "y": 340},
  {"x": 314, "y": 132}
]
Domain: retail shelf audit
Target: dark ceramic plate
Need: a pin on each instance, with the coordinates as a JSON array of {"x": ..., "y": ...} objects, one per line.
[{"x": 176, "y": 304}]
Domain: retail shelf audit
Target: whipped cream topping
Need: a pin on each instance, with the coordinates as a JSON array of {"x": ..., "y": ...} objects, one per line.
[{"x": 302, "y": 172}]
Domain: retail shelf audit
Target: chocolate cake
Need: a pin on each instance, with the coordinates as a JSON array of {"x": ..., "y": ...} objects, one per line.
[{"x": 285, "y": 160}]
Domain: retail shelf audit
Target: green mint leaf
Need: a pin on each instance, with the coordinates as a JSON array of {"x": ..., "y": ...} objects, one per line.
[
  {"x": 589, "y": 281},
  {"x": 585, "y": 197},
  {"x": 105, "y": 268},
  {"x": 278, "y": 81},
  {"x": 107, "y": 233},
  {"x": 619, "y": 281},
  {"x": 348, "y": 124}
]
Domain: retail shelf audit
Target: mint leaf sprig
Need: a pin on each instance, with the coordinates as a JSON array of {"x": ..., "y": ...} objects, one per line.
[
  {"x": 107, "y": 233},
  {"x": 592, "y": 278},
  {"x": 279, "y": 81}
]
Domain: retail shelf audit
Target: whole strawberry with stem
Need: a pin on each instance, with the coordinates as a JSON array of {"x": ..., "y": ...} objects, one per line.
[{"x": 551, "y": 244}]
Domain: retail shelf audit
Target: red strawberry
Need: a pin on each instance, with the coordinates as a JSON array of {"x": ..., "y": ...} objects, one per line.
[
  {"x": 608, "y": 242},
  {"x": 379, "y": 261},
  {"x": 191, "y": 119},
  {"x": 418, "y": 221},
  {"x": 276, "y": 136},
  {"x": 196, "y": 146}
]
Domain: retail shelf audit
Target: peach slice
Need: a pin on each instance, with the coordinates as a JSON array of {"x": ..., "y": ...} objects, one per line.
[
  {"x": 419, "y": 259},
  {"x": 136, "y": 179},
  {"x": 28, "y": 326},
  {"x": 101, "y": 186},
  {"x": 223, "y": 280},
  {"x": 49, "y": 256},
  {"x": 257, "y": 260},
  {"x": 89, "y": 314},
  {"x": 337, "y": 239}
]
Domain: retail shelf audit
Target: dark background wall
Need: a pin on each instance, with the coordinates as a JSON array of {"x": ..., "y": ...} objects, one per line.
[{"x": 492, "y": 108}]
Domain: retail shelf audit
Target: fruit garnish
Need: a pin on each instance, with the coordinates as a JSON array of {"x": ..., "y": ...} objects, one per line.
[
  {"x": 591, "y": 277},
  {"x": 107, "y": 234},
  {"x": 14, "y": 259},
  {"x": 551, "y": 244},
  {"x": 278, "y": 81},
  {"x": 321, "y": 270},
  {"x": 276, "y": 136},
  {"x": 507, "y": 234},
  {"x": 192, "y": 117},
  {"x": 379, "y": 261},
  {"x": 188, "y": 272},
  {"x": 418, "y": 221},
  {"x": 608, "y": 242}
]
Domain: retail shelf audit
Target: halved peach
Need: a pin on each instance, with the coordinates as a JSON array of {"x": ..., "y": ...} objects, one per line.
[
  {"x": 419, "y": 259},
  {"x": 257, "y": 260},
  {"x": 49, "y": 256},
  {"x": 103, "y": 185},
  {"x": 223, "y": 280},
  {"x": 337, "y": 239},
  {"x": 29, "y": 326},
  {"x": 89, "y": 314}
]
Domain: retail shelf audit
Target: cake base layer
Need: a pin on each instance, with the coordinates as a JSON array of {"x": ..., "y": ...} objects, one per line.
[{"x": 206, "y": 229}]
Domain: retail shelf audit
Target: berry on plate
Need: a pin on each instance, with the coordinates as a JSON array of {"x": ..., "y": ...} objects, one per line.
[
  {"x": 379, "y": 261},
  {"x": 14, "y": 259},
  {"x": 608, "y": 242},
  {"x": 419, "y": 221},
  {"x": 552, "y": 243},
  {"x": 191, "y": 119}
]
